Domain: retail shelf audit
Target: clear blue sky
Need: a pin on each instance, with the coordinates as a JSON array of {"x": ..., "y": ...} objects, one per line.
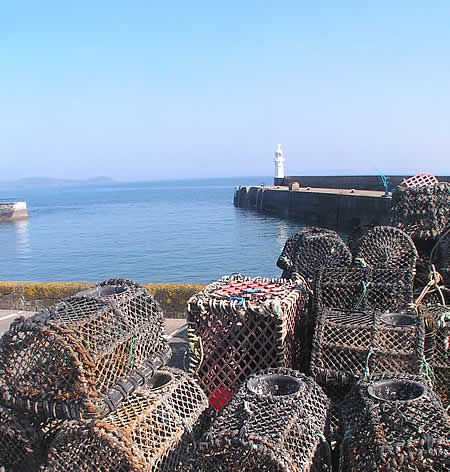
[{"x": 149, "y": 90}]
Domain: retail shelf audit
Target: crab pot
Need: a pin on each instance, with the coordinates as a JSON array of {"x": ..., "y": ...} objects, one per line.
[
  {"x": 422, "y": 212},
  {"x": 239, "y": 325},
  {"x": 23, "y": 440},
  {"x": 437, "y": 323},
  {"x": 287, "y": 257},
  {"x": 317, "y": 250},
  {"x": 363, "y": 288},
  {"x": 153, "y": 429},
  {"x": 394, "y": 423},
  {"x": 62, "y": 362},
  {"x": 347, "y": 344},
  {"x": 385, "y": 247},
  {"x": 274, "y": 423}
]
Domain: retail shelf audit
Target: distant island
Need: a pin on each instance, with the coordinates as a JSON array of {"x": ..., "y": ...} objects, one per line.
[{"x": 48, "y": 181}]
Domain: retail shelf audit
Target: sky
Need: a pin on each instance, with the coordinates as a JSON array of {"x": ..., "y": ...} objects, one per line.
[{"x": 143, "y": 90}]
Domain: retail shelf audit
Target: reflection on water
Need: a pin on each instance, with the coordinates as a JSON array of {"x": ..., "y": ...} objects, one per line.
[{"x": 23, "y": 238}]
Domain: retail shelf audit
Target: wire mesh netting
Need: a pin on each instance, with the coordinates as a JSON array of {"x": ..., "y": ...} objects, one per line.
[
  {"x": 437, "y": 341},
  {"x": 394, "y": 423},
  {"x": 348, "y": 344},
  {"x": 274, "y": 423},
  {"x": 385, "y": 247},
  {"x": 422, "y": 212},
  {"x": 62, "y": 361},
  {"x": 239, "y": 325},
  {"x": 287, "y": 257},
  {"x": 152, "y": 430},
  {"x": 23, "y": 440},
  {"x": 363, "y": 288}
]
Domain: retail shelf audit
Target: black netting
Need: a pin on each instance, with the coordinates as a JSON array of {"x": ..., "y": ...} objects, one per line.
[
  {"x": 363, "y": 288},
  {"x": 385, "y": 247},
  {"x": 239, "y": 325},
  {"x": 422, "y": 212},
  {"x": 316, "y": 251},
  {"x": 349, "y": 344},
  {"x": 153, "y": 429},
  {"x": 275, "y": 423},
  {"x": 61, "y": 361},
  {"x": 287, "y": 256},
  {"x": 394, "y": 423}
]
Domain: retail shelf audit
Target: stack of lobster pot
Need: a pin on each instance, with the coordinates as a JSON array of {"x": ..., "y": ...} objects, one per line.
[
  {"x": 239, "y": 325},
  {"x": 81, "y": 358},
  {"x": 275, "y": 423},
  {"x": 437, "y": 342},
  {"x": 423, "y": 211},
  {"x": 361, "y": 321},
  {"x": 394, "y": 422},
  {"x": 310, "y": 249}
]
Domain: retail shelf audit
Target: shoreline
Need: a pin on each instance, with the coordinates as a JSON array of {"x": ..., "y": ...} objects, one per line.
[{"x": 35, "y": 296}]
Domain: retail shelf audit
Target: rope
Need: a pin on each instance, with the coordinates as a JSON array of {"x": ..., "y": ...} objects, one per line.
[
  {"x": 130, "y": 359},
  {"x": 364, "y": 292},
  {"x": 435, "y": 277},
  {"x": 427, "y": 372},
  {"x": 366, "y": 370}
]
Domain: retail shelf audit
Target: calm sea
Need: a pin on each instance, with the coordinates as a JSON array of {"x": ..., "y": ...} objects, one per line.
[{"x": 168, "y": 231}]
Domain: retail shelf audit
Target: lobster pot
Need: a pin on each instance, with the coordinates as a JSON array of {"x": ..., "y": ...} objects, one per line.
[
  {"x": 386, "y": 247},
  {"x": 153, "y": 429},
  {"x": 239, "y": 325},
  {"x": 394, "y": 423},
  {"x": 274, "y": 423},
  {"x": 363, "y": 288},
  {"x": 347, "y": 344},
  {"x": 23, "y": 440},
  {"x": 437, "y": 322},
  {"x": 422, "y": 212},
  {"x": 62, "y": 361},
  {"x": 315, "y": 251},
  {"x": 287, "y": 256}
]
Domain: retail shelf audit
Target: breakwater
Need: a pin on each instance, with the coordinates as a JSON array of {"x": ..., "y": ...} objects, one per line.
[
  {"x": 11, "y": 210},
  {"x": 35, "y": 296},
  {"x": 341, "y": 209}
]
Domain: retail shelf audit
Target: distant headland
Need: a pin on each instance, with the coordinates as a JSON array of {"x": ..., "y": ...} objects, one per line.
[{"x": 48, "y": 181}]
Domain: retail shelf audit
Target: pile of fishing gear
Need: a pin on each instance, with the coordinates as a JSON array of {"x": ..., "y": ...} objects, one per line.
[{"x": 83, "y": 387}]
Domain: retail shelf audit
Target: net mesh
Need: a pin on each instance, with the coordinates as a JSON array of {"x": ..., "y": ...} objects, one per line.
[
  {"x": 61, "y": 360},
  {"x": 364, "y": 288},
  {"x": 395, "y": 423},
  {"x": 348, "y": 344},
  {"x": 153, "y": 429},
  {"x": 275, "y": 422},
  {"x": 314, "y": 251},
  {"x": 287, "y": 256},
  {"x": 239, "y": 325},
  {"x": 422, "y": 212},
  {"x": 385, "y": 247}
]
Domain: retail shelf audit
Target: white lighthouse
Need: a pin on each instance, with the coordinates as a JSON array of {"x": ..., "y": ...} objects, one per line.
[{"x": 279, "y": 163}]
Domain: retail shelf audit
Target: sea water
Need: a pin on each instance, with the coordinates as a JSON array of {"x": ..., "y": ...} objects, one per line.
[{"x": 167, "y": 231}]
